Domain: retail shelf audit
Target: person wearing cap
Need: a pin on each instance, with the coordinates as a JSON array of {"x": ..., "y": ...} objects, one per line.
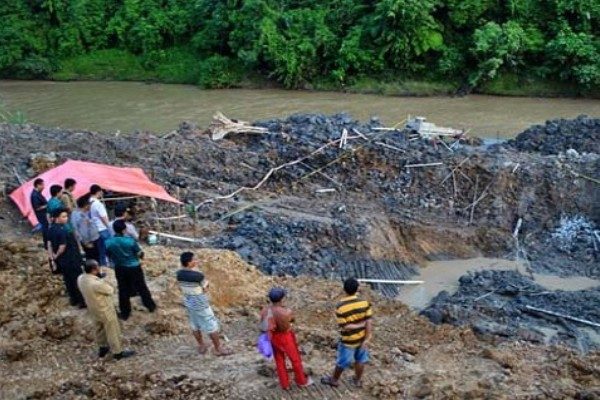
[
  {"x": 122, "y": 212},
  {"x": 126, "y": 255},
  {"x": 98, "y": 297},
  {"x": 99, "y": 217},
  {"x": 65, "y": 257},
  {"x": 278, "y": 320},
  {"x": 202, "y": 319},
  {"x": 353, "y": 316}
]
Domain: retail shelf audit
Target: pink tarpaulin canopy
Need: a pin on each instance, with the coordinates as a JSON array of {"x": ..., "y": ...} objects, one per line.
[{"x": 117, "y": 179}]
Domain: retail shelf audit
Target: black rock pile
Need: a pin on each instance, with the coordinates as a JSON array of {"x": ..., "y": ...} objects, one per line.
[
  {"x": 581, "y": 134},
  {"x": 494, "y": 302}
]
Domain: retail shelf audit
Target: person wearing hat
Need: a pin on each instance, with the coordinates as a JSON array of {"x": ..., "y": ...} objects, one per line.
[
  {"x": 278, "y": 320},
  {"x": 194, "y": 285}
]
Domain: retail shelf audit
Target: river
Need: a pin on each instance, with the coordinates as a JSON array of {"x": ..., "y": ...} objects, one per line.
[{"x": 130, "y": 106}]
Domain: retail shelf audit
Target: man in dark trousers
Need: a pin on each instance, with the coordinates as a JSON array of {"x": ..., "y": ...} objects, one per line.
[
  {"x": 85, "y": 230},
  {"x": 39, "y": 204},
  {"x": 65, "y": 257},
  {"x": 353, "y": 316},
  {"x": 125, "y": 253}
]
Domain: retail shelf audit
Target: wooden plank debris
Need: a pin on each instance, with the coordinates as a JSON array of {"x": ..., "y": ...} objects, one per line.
[{"x": 221, "y": 126}]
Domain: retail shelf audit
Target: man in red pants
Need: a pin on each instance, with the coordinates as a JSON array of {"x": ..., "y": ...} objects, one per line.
[{"x": 283, "y": 340}]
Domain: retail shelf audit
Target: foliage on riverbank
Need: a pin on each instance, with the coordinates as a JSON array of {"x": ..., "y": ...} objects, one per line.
[{"x": 389, "y": 46}]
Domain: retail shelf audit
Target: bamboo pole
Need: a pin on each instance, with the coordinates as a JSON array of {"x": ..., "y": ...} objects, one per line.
[{"x": 391, "y": 281}]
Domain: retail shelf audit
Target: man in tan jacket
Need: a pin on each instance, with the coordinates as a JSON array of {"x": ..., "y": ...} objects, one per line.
[{"x": 98, "y": 297}]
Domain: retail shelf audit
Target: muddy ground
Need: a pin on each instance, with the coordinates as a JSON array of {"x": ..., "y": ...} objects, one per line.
[
  {"x": 47, "y": 342},
  {"x": 397, "y": 201}
]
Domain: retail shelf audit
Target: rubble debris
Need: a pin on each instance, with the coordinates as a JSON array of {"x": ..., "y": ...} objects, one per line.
[
  {"x": 221, "y": 126},
  {"x": 289, "y": 228},
  {"x": 428, "y": 130},
  {"x": 574, "y": 136},
  {"x": 495, "y": 303}
]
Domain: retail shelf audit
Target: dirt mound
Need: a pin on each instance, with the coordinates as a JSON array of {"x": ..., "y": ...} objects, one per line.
[
  {"x": 581, "y": 134},
  {"x": 411, "y": 357}
]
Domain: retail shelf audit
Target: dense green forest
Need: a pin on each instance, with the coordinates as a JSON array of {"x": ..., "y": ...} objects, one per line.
[{"x": 465, "y": 44}]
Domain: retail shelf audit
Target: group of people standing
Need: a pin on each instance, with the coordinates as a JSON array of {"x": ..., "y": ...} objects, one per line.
[
  {"x": 78, "y": 233},
  {"x": 77, "y": 236}
]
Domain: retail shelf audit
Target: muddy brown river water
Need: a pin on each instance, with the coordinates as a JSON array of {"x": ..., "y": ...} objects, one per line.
[
  {"x": 129, "y": 106},
  {"x": 444, "y": 275}
]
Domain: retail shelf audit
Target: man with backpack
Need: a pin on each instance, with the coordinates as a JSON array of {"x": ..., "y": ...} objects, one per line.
[{"x": 276, "y": 321}]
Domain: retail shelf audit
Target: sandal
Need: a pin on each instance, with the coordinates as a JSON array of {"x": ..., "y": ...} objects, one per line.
[
  {"x": 224, "y": 352},
  {"x": 357, "y": 383},
  {"x": 328, "y": 380},
  {"x": 202, "y": 349}
]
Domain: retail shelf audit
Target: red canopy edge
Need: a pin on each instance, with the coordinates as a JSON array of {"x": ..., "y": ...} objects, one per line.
[{"x": 117, "y": 179}]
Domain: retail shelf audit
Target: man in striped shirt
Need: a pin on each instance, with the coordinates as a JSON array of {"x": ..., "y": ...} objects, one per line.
[
  {"x": 202, "y": 318},
  {"x": 353, "y": 316}
]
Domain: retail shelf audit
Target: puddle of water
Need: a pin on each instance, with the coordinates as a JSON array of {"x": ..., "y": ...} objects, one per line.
[
  {"x": 572, "y": 283},
  {"x": 443, "y": 275}
]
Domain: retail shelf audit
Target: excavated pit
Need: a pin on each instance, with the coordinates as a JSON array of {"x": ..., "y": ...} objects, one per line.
[{"x": 386, "y": 218}]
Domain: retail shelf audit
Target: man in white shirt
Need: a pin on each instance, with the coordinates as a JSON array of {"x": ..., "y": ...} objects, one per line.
[{"x": 100, "y": 220}]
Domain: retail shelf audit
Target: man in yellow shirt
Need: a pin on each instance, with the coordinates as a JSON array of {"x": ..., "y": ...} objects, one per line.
[
  {"x": 98, "y": 297},
  {"x": 353, "y": 316}
]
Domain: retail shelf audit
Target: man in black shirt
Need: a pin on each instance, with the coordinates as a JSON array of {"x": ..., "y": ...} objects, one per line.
[
  {"x": 63, "y": 250},
  {"x": 38, "y": 203}
]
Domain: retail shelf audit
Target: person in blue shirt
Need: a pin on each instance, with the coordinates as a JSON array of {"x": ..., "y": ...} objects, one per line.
[
  {"x": 55, "y": 204},
  {"x": 126, "y": 255}
]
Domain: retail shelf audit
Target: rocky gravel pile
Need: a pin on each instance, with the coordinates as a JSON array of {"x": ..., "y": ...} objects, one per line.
[{"x": 581, "y": 134}]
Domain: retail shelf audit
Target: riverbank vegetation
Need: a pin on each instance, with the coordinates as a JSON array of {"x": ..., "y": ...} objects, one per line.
[{"x": 537, "y": 47}]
